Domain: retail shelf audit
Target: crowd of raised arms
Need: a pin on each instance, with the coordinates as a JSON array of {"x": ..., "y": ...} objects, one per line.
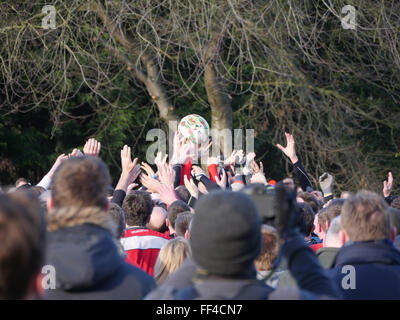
[{"x": 178, "y": 231}]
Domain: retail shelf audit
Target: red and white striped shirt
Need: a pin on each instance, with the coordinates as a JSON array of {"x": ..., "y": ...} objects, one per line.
[{"x": 142, "y": 246}]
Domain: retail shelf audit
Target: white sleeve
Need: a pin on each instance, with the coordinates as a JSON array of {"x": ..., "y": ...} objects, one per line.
[{"x": 45, "y": 182}]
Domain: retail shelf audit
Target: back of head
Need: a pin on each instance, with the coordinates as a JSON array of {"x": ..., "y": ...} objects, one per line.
[
  {"x": 176, "y": 208},
  {"x": 333, "y": 210},
  {"x": 137, "y": 206},
  {"x": 365, "y": 217},
  {"x": 311, "y": 200},
  {"x": 395, "y": 217},
  {"x": 183, "y": 193},
  {"x": 118, "y": 217},
  {"x": 157, "y": 219},
  {"x": 81, "y": 182},
  {"x": 269, "y": 250},
  {"x": 21, "y": 250},
  {"x": 226, "y": 234},
  {"x": 182, "y": 223},
  {"x": 307, "y": 217},
  {"x": 170, "y": 258},
  {"x": 333, "y": 233}
]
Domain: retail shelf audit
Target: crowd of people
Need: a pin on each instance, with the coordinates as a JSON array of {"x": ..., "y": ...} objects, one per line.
[{"x": 181, "y": 231}]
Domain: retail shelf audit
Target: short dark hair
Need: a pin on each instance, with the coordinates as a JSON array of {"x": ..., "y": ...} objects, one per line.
[
  {"x": 307, "y": 216},
  {"x": 182, "y": 223},
  {"x": 118, "y": 217},
  {"x": 21, "y": 250},
  {"x": 81, "y": 182},
  {"x": 311, "y": 200},
  {"x": 183, "y": 193},
  {"x": 365, "y": 217},
  {"x": 333, "y": 210},
  {"x": 21, "y": 180},
  {"x": 176, "y": 208},
  {"x": 137, "y": 206}
]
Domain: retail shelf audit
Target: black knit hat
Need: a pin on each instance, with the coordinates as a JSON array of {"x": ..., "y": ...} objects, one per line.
[{"x": 226, "y": 233}]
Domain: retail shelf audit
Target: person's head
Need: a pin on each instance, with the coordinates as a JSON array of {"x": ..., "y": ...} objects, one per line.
[
  {"x": 175, "y": 208},
  {"x": 138, "y": 207},
  {"x": 396, "y": 203},
  {"x": 269, "y": 249},
  {"x": 170, "y": 258},
  {"x": 118, "y": 217},
  {"x": 311, "y": 200},
  {"x": 345, "y": 195},
  {"x": 289, "y": 182},
  {"x": 365, "y": 217},
  {"x": 225, "y": 235},
  {"x": 395, "y": 218},
  {"x": 80, "y": 182},
  {"x": 333, "y": 235},
  {"x": 333, "y": 210},
  {"x": 157, "y": 219},
  {"x": 20, "y": 182},
  {"x": 182, "y": 223},
  {"x": 21, "y": 251},
  {"x": 183, "y": 193},
  {"x": 307, "y": 217}
]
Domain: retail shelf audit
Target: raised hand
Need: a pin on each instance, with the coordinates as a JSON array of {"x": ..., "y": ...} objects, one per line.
[
  {"x": 290, "y": 149},
  {"x": 167, "y": 194},
  {"x": 191, "y": 186},
  {"x": 387, "y": 185},
  {"x": 166, "y": 174},
  {"x": 197, "y": 172},
  {"x": 75, "y": 153},
  {"x": 92, "y": 147},
  {"x": 57, "y": 163},
  {"x": 146, "y": 167},
  {"x": 150, "y": 183},
  {"x": 221, "y": 181},
  {"x": 130, "y": 169}
]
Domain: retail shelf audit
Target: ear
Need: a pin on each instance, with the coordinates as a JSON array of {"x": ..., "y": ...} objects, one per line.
[
  {"x": 187, "y": 235},
  {"x": 35, "y": 289},
  {"x": 50, "y": 204},
  {"x": 319, "y": 228},
  {"x": 393, "y": 233},
  {"x": 343, "y": 237},
  {"x": 327, "y": 224},
  {"x": 167, "y": 222}
]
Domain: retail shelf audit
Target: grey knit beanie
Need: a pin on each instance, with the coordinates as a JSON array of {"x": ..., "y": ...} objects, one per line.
[{"x": 226, "y": 233}]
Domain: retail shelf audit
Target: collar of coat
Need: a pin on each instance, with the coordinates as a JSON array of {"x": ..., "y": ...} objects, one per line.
[{"x": 72, "y": 216}]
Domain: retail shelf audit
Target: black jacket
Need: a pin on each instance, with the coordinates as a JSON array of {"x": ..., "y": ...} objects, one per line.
[
  {"x": 88, "y": 266},
  {"x": 376, "y": 268},
  {"x": 311, "y": 280}
]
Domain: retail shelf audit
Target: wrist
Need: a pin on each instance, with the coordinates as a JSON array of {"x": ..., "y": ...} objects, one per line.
[{"x": 294, "y": 159}]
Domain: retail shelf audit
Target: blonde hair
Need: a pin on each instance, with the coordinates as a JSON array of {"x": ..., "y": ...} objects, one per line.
[{"x": 170, "y": 258}]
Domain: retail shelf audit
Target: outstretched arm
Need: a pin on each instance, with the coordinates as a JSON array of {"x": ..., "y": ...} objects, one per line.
[{"x": 290, "y": 152}]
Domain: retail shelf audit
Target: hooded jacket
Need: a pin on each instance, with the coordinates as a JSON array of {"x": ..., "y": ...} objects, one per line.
[
  {"x": 376, "y": 270},
  {"x": 83, "y": 251}
]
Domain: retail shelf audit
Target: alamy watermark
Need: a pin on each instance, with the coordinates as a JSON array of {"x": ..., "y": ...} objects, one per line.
[
  {"x": 349, "y": 20},
  {"x": 349, "y": 280},
  {"x": 49, "y": 21},
  {"x": 49, "y": 277}
]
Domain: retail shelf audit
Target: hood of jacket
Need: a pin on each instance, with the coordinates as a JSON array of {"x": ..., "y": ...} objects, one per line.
[
  {"x": 326, "y": 256},
  {"x": 81, "y": 247},
  {"x": 365, "y": 252}
]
